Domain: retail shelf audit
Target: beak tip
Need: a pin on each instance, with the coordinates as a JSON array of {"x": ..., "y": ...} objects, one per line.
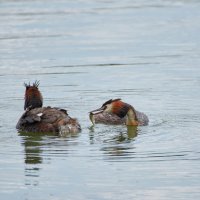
[{"x": 97, "y": 111}]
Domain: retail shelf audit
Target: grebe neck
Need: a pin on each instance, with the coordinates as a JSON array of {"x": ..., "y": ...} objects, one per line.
[{"x": 131, "y": 118}]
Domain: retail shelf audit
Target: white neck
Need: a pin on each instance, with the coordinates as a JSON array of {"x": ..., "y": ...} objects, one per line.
[{"x": 131, "y": 119}]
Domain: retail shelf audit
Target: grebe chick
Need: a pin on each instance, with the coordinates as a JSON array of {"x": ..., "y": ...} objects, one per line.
[
  {"x": 115, "y": 111},
  {"x": 38, "y": 119}
]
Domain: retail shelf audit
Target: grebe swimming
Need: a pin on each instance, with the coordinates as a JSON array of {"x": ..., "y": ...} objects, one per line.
[
  {"x": 44, "y": 119},
  {"x": 115, "y": 111}
]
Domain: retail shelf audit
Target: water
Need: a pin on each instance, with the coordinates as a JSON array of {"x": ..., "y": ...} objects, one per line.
[{"x": 84, "y": 53}]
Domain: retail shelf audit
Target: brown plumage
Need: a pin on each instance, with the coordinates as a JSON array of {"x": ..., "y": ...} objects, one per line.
[
  {"x": 44, "y": 119},
  {"x": 115, "y": 111},
  {"x": 33, "y": 97}
]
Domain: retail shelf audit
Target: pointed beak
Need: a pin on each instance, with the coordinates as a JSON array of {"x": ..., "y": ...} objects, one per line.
[{"x": 97, "y": 111}]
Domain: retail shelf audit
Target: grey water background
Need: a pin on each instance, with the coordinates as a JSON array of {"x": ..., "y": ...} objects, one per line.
[{"x": 85, "y": 52}]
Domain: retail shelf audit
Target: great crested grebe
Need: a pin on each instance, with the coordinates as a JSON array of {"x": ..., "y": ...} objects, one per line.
[
  {"x": 115, "y": 111},
  {"x": 44, "y": 119}
]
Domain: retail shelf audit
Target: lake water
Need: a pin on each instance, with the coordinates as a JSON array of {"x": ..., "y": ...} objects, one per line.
[{"x": 85, "y": 52}]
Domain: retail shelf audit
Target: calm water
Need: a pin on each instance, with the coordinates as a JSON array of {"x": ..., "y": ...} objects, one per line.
[{"x": 84, "y": 53}]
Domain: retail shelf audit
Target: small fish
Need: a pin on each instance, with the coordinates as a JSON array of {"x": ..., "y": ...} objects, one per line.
[{"x": 92, "y": 119}]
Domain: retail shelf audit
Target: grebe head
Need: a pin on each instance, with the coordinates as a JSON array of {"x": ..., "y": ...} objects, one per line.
[
  {"x": 33, "y": 97},
  {"x": 115, "y": 106}
]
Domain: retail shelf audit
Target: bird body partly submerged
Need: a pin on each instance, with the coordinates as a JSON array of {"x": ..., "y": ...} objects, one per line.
[
  {"x": 38, "y": 119},
  {"x": 117, "y": 112},
  {"x": 47, "y": 120},
  {"x": 107, "y": 118},
  {"x": 113, "y": 119}
]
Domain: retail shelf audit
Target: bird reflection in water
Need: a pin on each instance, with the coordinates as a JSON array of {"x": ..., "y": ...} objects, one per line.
[
  {"x": 131, "y": 134},
  {"x": 124, "y": 137},
  {"x": 35, "y": 146},
  {"x": 120, "y": 146},
  {"x": 121, "y": 137},
  {"x": 32, "y": 156},
  {"x": 115, "y": 147},
  {"x": 32, "y": 145}
]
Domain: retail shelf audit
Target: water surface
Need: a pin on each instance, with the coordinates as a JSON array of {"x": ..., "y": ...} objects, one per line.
[{"x": 85, "y": 52}]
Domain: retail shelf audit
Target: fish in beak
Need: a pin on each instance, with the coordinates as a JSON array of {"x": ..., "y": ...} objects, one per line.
[{"x": 95, "y": 112}]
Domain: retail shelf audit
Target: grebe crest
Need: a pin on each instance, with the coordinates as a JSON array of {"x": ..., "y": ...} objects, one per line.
[{"x": 33, "y": 97}]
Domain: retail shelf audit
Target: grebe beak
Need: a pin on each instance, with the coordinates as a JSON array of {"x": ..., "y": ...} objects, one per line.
[{"x": 97, "y": 111}]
